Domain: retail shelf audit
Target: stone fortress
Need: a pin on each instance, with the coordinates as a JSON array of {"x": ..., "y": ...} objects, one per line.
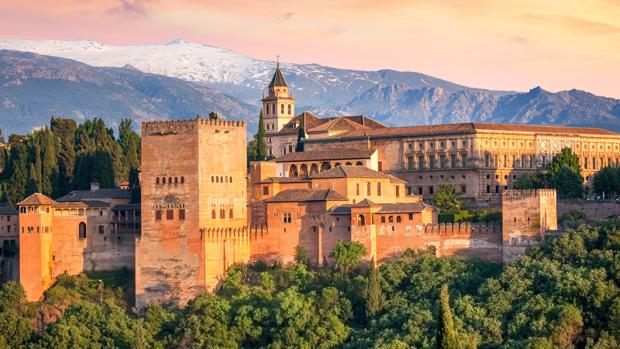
[{"x": 201, "y": 209}]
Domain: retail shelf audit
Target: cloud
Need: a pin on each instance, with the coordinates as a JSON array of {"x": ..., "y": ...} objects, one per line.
[
  {"x": 132, "y": 7},
  {"x": 574, "y": 23}
]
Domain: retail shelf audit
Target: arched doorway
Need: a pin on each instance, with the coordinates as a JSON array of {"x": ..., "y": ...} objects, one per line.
[{"x": 292, "y": 171}]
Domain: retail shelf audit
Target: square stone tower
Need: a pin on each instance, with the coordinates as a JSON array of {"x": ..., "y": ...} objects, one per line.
[
  {"x": 526, "y": 216},
  {"x": 194, "y": 215}
]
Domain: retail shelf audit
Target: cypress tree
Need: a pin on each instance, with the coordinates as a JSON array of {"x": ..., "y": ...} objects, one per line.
[
  {"x": 261, "y": 145},
  {"x": 17, "y": 172},
  {"x": 37, "y": 167},
  {"x": 129, "y": 141},
  {"x": 374, "y": 296},
  {"x": 64, "y": 131},
  {"x": 33, "y": 185},
  {"x": 49, "y": 165},
  {"x": 301, "y": 135},
  {"x": 446, "y": 333}
]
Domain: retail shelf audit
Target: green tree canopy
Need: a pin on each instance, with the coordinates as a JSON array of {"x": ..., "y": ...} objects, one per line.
[
  {"x": 348, "y": 255},
  {"x": 565, "y": 158},
  {"x": 567, "y": 183},
  {"x": 607, "y": 181},
  {"x": 447, "y": 199}
]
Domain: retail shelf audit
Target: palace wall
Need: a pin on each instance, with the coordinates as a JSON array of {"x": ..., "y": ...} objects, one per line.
[{"x": 594, "y": 210}]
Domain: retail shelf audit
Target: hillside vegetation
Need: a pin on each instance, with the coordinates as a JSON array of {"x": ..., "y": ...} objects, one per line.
[{"x": 563, "y": 294}]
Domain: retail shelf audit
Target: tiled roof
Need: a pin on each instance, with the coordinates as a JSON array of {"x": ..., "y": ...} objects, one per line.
[
  {"x": 286, "y": 180},
  {"x": 316, "y": 124},
  {"x": 343, "y": 121},
  {"x": 79, "y": 195},
  {"x": 354, "y": 172},
  {"x": 463, "y": 128},
  {"x": 7, "y": 211},
  {"x": 299, "y": 195},
  {"x": 128, "y": 207},
  {"x": 278, "y": 79},
  {"x": 96, "y": 203},
  {"x": 385, "y": 208},
  {"x": 36, "y": 199},
  {"x": 318, "y": 155}
]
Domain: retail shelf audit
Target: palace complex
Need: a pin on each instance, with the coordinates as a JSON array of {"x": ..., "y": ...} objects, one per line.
[{"x": 201, "y": 210}]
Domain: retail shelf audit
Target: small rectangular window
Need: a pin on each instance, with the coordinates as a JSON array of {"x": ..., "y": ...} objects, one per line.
[
  {"x": 398, "y": 191},
  {"x": 169, "y": 215},
  {"x": 158, "y": 215},
  {"x": 101, "y": 229},
  {"x": 379, "y": 188},
  {"x": 410, "y": 216},
  {"x": 182, "y": 214},
  {"x": 357, "y": 189},
  {"x": 265, "y": 190},
  {"x": 368, "y": 188}
]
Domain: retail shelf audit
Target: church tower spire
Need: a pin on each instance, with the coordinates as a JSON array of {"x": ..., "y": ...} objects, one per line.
[{"x": 278, "y": 105}]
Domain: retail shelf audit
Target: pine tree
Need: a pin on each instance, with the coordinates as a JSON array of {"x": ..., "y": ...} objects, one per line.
[
  {"x": 261, "y": 145},
  {"x": 374, "y": 296},
  {"x": 446, "y": 333}
]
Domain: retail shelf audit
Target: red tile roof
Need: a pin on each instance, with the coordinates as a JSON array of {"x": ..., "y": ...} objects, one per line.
[
  {"x": 301, "y": 195},
  {"x": 319, "y": 155},
  {"x": 36, "y": 199},
  {"x": 354, "y": 172}
]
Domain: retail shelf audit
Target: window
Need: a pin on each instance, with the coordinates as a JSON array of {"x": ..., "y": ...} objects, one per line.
[
  {"x": 158, "y": 215},
  {"x": 163, "y": 180},
  {"x": 82, "y": 230},
  {"x": 464, "y": 160},
  {"x": 176, "y": 180},
  {"x": 182, "y": 214},
  {"x": 382, "y": 219},
  {"x": 379, "y": 189},
  {"x": 398, "y": 219},
  {"x": 361, "y": 220},
  {"x": 398, "y": 191},
  {"x": 182, "y": 179},
  {"x": 282, "y": 108},
  {"x": 430, "y": 190},
  {"x": 265, "y": 190},
  {"x": 101, "y": 229},
  {"x": 420, "y": 190},
  {"x": 287, "y": 217},
  {"x": 289, "y": 109},
  {"x": 357, "y": 189},
  {"x": 368, "y": 188},
  {"x": 431, "y": 161},
  {"x": 442, "y": 161},
  {"x": 488, "y": 188},
  {"x": 156, "y": 180},
  {"x": 453, "y": 161},
  {"x": 410, "y": 163},
  {"x": 410, "y": 216},
  {"x": 213, "y": 216},
  {"x": 222, "y": 213},
  {"x": 169, "y": 215},
  {"x": 230, "y": 213},
  {"x": 421, "y": 162},
  {"x": 212, "y": 179},
  {"x": 391, "y": 219}
]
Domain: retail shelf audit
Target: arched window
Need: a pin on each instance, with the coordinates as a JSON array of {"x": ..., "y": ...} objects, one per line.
[
  {"x": 361, "y": 220},
  {"x": 289, "y": 109},
  {"x": 222, "y": 213},
  {"x": 163, "y": 180},
  {"x": 348, "y": 164},
  {"x": 398, "y": 219},
  {"x": 176, "y": 180},
  {"x": 221, "y": 179},
  {"x": 169, "y": 180},
  {"x": 156, "y": 180},
  {"x": 281, "y": 108},
  {"x": 314, "y": 169},
  {"x": 382, "y": 219},
  {"x": 391, "y": 219},
  {"x": 213, "y": 214},
  {"x": 230, "y": 213},
  {"x": 292, "y": 171},
  {"x": 325, "y": 166},
  {"x": 182, "y": 179},
  {"x": 359, "y": 163},
  {"x": 82, "y": 230},
  {"x": 230, "y": 179},
  {"x": 303, "y": 170},
  {"x": 212, "y": 179}
]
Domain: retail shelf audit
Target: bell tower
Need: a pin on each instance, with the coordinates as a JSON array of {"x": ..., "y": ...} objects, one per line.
[{"x": 278, "y": 105}]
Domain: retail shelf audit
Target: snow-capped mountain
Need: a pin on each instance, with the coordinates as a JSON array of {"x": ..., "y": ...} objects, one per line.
[
  {"x": 233, "y": 73},
  {"x": 393, "y": 97}
]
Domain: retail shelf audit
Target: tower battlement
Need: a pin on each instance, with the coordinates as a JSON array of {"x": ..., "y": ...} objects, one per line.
[
  {"x": 176, "y": 126},
  {"x": 520, "y": 194}
]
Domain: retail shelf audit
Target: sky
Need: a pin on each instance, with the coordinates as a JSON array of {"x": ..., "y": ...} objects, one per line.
[{"x": 504, "y": 45}]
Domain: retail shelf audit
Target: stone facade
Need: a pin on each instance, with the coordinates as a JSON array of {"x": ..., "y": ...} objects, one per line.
[
  {"x": 194, "y": 202},
  {"x": 480, "y": 160},
  {"x": 69, "y": 237},
  {"x": 527, "y": 215},
  {"x": 9, "y": 244}
]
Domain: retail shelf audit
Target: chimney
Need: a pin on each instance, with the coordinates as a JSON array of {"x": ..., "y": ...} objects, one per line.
[{"x": 94, "y": 186}]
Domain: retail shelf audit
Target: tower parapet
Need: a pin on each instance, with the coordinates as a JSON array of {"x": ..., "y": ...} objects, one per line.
[{"x": 176, "y": 126}]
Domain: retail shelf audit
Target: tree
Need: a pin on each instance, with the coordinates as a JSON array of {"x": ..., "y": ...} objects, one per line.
[
  {"x": 301, "y": 134},
  {"x": 446, "y": 333},
  {"x": 348, "y": 255},
  {"x": 607, "y": 181},
  {"x": 64, "y": 130},
  {"x": 17, "y": 172},
  {"x": 567, "y": 183},
  {"x": 33, "y": 185},
  {"x": 529, "y": 181},
  {"x": 565, "y": 158},
  {"x": 374, "y": 295},
  {"x": 129, "y": 141},
  {"x": 261, "y": 145},
  {"x": 447, "y": 199}
]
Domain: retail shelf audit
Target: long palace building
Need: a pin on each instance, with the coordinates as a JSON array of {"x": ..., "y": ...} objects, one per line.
[{"x": 480, "y": 160}]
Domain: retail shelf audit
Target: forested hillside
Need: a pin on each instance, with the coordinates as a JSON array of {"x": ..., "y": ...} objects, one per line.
[{"x": 563, "y": 294}]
